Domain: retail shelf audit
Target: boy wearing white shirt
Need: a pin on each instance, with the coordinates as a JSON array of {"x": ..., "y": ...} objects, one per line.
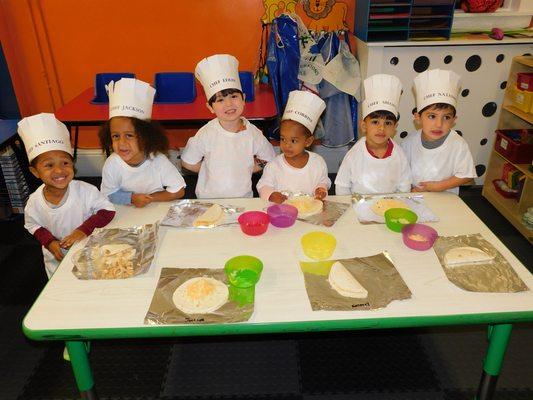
[
  {"x": 376, "y": 164},
  {"x": 296, "y": 169},
  {"x": 225, "y": 150},
  {"x": 439, "y": 157}
]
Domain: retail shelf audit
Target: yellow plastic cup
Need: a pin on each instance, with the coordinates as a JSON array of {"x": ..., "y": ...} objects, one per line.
[{"x": 318, "y": 245}]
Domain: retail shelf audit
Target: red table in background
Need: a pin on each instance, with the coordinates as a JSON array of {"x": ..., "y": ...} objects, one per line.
[{"x": 80, "y": 112}]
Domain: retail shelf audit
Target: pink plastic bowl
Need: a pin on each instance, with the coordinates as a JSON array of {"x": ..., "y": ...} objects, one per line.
[
  {"x": 254, "y": 223},
  {"x": 425, "y": 231},
  {"x": 282, "y": 215}
]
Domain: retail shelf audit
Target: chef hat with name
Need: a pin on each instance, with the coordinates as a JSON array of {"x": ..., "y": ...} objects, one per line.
[
  {"x": 129, "y": 97},
  {"x": 304, "y": 107},
  {"x": 43, "y": 132},
  {"x": 217, "y": 73},
  {"x": 436, "y": 86},
  {"x": 382, "y": 93}
]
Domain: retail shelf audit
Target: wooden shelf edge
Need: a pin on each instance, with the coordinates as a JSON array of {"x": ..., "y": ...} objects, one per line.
[
  {"x": 512, "y": 216},
  {"x": 524, "y": 168},
  {"x": 519, "y": 113},
  {"x": 525, "y": 60}
]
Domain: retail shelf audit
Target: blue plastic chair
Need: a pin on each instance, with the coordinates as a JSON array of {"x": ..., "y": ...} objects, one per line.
[
  {"x": 102, "y": 79},
  {"x": 247, "y": 83},
  {"x": 174, "y": 87}
]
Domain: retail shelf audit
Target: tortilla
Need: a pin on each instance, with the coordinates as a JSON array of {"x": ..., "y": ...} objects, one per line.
[
  {"x": 306, "y": 206},
  {"x": 200, "y": 295},
  {"x": 344, "y": 283},
  {"x": 466, "y": 255},
  {"x": 382, "y": 205},
  {"x": 113, "y": 261},
  {"x": 210, "y": 217}
]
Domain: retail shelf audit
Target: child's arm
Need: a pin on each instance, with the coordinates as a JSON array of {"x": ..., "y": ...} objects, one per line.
[
  {"x": 321, "y": 191},
  {"x": 98, "y": 220},
  {"x": 48, "y": 241},
  {"x": 194, "y": 152},
  {"x": 140, "y": 200},
  {"x": 440, "y": 186},
  {"x": 191, "y": 167},
  {"x": 163, "y": 195}
]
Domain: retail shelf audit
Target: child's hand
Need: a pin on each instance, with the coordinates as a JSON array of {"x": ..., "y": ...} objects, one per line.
[
  {"x": 320, "y": 193},
  {"x": 140, "y": 199},
  {"x": 429, "y": 186},
  {"x": 277, "y": 197},
  {"x": 74, "y": 237},
  {"x": 55, "y": 248}
]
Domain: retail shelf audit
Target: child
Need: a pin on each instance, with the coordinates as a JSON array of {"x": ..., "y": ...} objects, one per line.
[
  {"x": 224, "y": 151},
  {"x": 296, "y": 169},
  {"x": 376, "y": 164},
  {"x": 439, "y": 158},
  {"x": 138, "y": 172},
  {"x": 61, "y": 211}
]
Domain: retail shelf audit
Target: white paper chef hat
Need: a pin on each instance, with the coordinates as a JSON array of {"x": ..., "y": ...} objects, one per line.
[
  {"x": 382, "y": 93},
  {"x": 436, "y": 86},
  {"x": 304, "y": 107},
  {"x": 43, "y": 132},
  {"x": 129, "y": 97},
  {"x": 217, "y": 73}
]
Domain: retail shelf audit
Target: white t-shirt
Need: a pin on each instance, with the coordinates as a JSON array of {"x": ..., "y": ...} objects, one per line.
[
  {"x": 452, "y": 158},
  {"x": 83, "y": 201},
  {"x": 281, "y": 176},
  {"x": 360, "y": 172},
  {"x": 228, "y": 159},
  {"x": 155, "y": 174}
]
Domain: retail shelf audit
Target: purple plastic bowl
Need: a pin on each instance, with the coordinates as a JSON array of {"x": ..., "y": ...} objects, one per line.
[
  {"x": 254, "y": 223},
  {"x": 427, "y": 232},
  {"x": 282, "y": 215}
]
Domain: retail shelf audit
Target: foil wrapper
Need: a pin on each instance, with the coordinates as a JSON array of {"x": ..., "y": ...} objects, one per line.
[
  {"x": 496, "y": 275},
  {"x": 376, "y": 274},
  {"x": 89, "y": 261},
  {"x": 330, "y": 213},
  {"x": 183, "y": 214},
  {"x": 362, "y": 204},
  {"x": 162, "y": 310}
]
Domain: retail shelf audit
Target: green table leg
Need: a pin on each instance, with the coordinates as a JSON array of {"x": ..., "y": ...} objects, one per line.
[
  {"x": 498, "y": 336},
  {"x": 82, "y": 369}
]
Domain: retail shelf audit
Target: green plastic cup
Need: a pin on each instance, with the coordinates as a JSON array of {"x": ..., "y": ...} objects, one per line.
[{"x": 243, "y": 273}]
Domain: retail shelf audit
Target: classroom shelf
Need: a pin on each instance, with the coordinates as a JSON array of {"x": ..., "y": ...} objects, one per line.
[{"x": 378, "y": 21}]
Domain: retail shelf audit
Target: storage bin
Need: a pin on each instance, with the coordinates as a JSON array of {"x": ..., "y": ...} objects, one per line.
[
  {"x": 524, "y": 81},
  {"x": 521, "y": 99},
  {"x": 515, "y": 144}
]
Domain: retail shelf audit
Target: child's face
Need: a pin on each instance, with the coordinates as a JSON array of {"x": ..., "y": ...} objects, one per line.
[
  {"x": 228, "y": 108},
  {"x": 435, "y": 123},
  {"x": 378, "y": 130},
  {"x": 55, "y": 168},
  {"x": 125, "y": 140},
  {"x": 293, "y": 139}
]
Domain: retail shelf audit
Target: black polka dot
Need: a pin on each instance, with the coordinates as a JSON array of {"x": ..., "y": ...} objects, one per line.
[
  {"x": 448, "y": 59},
  {"x": 526, "y": 54},
  {"x": 489, "y": 109},
  {"x": 503, "y": 85},
  {"x": 473, "y": 63},
  {"x": 421, "y": 64},
  {"x": 480, "y": 169},
  {"x": 483, "y": 142},
  {"x": 459, "y": 133},
  {"x": 394, "y": 61},
  {"x": 403, "y": 134},
  {"x": 413, "y": 110},
  {"x": 398, "y": 119},
  {"x": 500, "y": 58},
  {"x": 465, "y": 92}
]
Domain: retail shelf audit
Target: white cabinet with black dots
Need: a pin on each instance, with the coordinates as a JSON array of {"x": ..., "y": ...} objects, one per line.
[{"x": 483, "y": 66}]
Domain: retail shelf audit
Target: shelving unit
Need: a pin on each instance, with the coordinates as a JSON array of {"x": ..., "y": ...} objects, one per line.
[
  {"x": 386, "y": 20},
  {"x": 512, "y": 118}
]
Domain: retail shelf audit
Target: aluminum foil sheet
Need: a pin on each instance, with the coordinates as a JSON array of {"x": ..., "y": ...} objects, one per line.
[
  {"x": 183, "y": 213},
  {"x": 496, "y": 276},
  {"x": 376, "y": 274},
  {"x": 362, "y": 204},
  {"x": 162, "y": 310},
  {"x": 331, "y": 211},
  {"x": 133, "y": 249}
]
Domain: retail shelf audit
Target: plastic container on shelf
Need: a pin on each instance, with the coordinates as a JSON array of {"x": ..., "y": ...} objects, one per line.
[{"x": 515, "y": 144}]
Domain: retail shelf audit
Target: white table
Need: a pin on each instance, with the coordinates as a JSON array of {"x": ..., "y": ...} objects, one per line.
[{"x": 75, "y": 310}]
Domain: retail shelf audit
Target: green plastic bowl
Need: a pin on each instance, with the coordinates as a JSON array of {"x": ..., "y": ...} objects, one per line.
[{"x": 397, "y": 218}]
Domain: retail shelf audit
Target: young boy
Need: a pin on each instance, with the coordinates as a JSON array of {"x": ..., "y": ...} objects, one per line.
[
  {"x": 376, "y": 164},
  {"x": 296, "y": 169},
  {"x": 61, "y": 211},
  {"x": 224, "y": 151},
  {"x": 439, "y": 157}
]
